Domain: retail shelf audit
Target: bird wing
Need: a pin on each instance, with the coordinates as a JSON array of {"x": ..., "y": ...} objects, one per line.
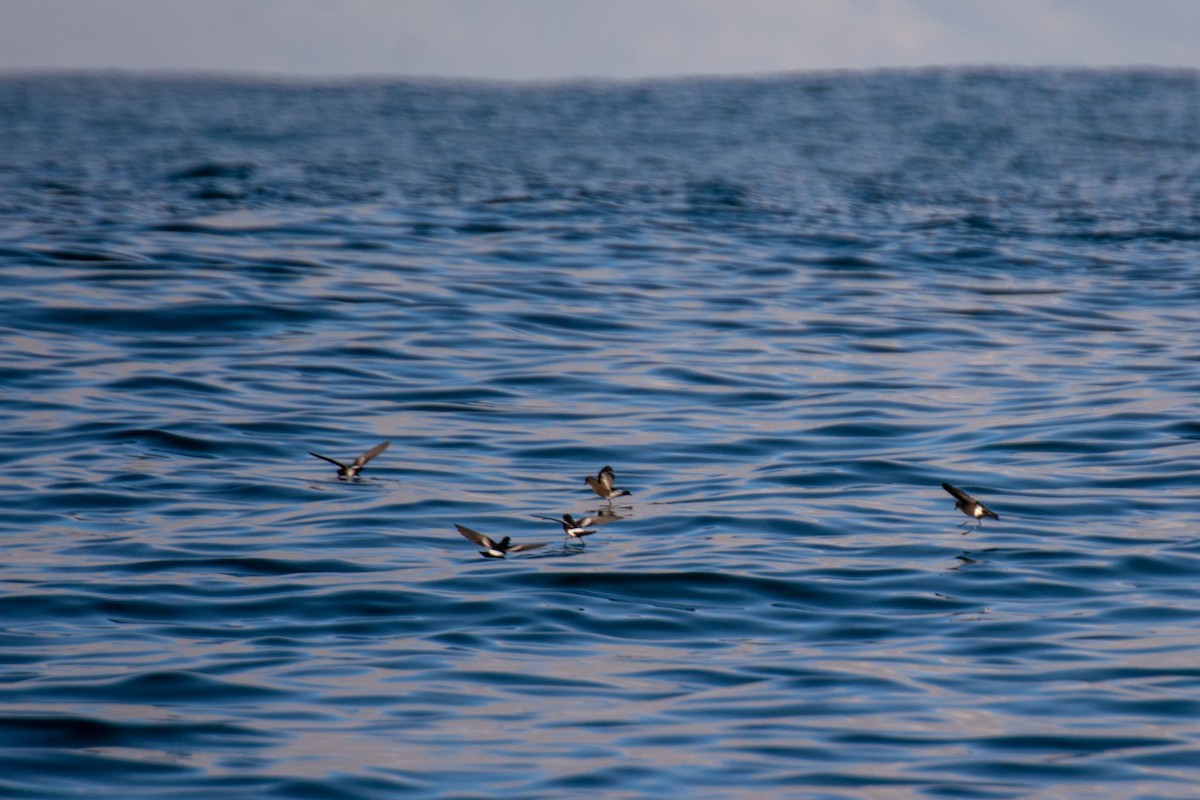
[
  {"x": 327, "y": 458},
  {"x": 362, "y": 460},
  {"x": 607, "y": 476},
  {"x": 516, "y": 548},
  {"x": 958, "y": 493},
  {"x": 476, "y": 537}
]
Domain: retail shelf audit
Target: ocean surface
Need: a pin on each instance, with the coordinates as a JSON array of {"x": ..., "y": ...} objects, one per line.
[{"x": 785, "y": 310}]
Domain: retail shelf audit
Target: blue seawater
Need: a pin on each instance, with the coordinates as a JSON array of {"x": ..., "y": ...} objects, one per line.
[{"x": 785, "y": 310}]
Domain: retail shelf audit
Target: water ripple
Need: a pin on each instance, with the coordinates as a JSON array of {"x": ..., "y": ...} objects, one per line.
[{"x": 785, "y": 310}]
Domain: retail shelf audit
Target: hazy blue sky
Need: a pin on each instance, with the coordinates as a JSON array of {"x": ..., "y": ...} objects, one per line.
[{"x": 547, "y": 39}]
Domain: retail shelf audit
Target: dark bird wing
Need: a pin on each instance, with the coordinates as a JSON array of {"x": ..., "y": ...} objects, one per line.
[
  {"x": 516, "y": 548},
  {"x": 362, "y": 460},
  {"x": 476, "y": 537},
  {"x": 606, "y": 477},
  {"x": 327, "y": 458},
  {"x": 958, "y": 493}
]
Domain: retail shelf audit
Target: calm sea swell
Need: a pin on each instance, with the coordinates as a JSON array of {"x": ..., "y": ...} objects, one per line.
[{"x": 785, "y": 310}]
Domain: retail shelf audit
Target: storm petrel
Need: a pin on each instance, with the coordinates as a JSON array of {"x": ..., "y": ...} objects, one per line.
[
  {"x": 348, "y": 472},
  {"x": 970, "y": 506},
  {"x": 578, "y": 528},
  {"x": 492, "y": 548},
  {"x": 602, "y": 484}
]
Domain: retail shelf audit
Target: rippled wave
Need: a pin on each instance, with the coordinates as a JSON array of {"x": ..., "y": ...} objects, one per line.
[{"x": 785, "y": 310}]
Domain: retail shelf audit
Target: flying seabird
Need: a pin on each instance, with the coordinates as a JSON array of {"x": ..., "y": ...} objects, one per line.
[
  {"x": 348, "y": 472},
  {"x": 602, "y": 484},
  {"x": 492, "y": 548},
  {"x": 970, "y": 506},
  {"x": 578, "y": 528}
]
